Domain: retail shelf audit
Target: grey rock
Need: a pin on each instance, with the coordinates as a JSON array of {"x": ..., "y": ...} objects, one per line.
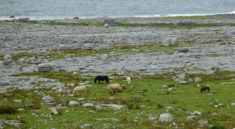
[
  {"x": 203, "y": 122},
  {"x": 197, "y": 79},
  {"x": 15, "y": 123},
  {"x": 152, "y": 117},
  {"x": 183, "y": 50},
  {"x": 88, "y": 46},
  {"x": 8, "y": 62},
  {"x": 219, "y": 106},
  {"x": 215, "y": 114},
  {"x": 45, "y": 68},
  {"x": 76, "y": 18},
  {"x": 103, "y": 47},
  {"x": 106, "y": 25},
  {"x": 81, "y": 99},
  {"x": 191, "y": 118},
  {"x": 180, "y": 78},
  {"x": 170, "y": 89},
  {"x": 169, "y": 41},
  {"x": 169, "y": 108},
  {"x": 108, "y": 119},
  {"x": 54, "y": 111},
  {"x": 87, "y": 126},
  {"x": 196, "y": 113},
  {"x": 23, "y": 20},
  {"x": 17, "y": 101},
  {"x": 59, "y": 106},
  {"x": 88, "y": 105},
  {"x": 109, "y": 106},
  {"x": 111, "y": 98},
  {"x": 165, "y": 117},
  {"x": 110, "y": 21},
  {"x": 48, "y": 100},
  {"x": 7, "y": 57},
  {"x": 233, "y": 104},
  {"x": 4, "y": 84},
  {"x": 183, "y": 23},
  {"x": 166, "y": 42},
  {"x": 73, "y": 103}
]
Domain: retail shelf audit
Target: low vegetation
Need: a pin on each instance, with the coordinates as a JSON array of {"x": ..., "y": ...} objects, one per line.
[{"x": 118, "y": 49}]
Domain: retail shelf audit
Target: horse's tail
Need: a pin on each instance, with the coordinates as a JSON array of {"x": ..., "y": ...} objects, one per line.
[
  {"x": 95, "y": 80},
  {"x": 107, "y": 80}
]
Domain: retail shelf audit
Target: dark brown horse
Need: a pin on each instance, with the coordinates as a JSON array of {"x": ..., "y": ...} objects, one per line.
[
  {"x": 101, "y": 78},
  {"x": 205, "y": 88}
]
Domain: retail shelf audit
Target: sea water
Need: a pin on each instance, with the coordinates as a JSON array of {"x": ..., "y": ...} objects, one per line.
[{"x": 60, "y": 9}]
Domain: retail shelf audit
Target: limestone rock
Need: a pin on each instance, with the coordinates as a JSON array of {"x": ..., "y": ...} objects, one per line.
[
  {"x": 7, "y": 57},
  {"x": 48, "y": 100},
  {"x": 152, "y": 117},
  {"x": 169, "y": 41},
  {"x": 197, "y": 79},
  {"x": 87, "y": 126},
  {"x": 73, "y": 103},
  {"x": 17, "y": 101},
  {"x": 196, "y": 113},
  {"x": 88, "y": 105},
  {"x": 183, "y": 50},
  {"x": 108, "y": 119},
  {"x": 166, "y": 117},
  {"x": 106, "y": 25},
  {"x": 8, "y": 62},
  {"x": 76, "y": 18},
  {"x": 45, "y": 68},
  {"x": 109, "y": 106},
  {"x": 233, "y": 104},
  {"x": 54, "y": 111},
  {"x": 203, "y": 122},
  {"x": 191, "y": 118}
]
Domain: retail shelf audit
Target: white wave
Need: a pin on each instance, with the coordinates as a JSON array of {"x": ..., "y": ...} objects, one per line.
[{"x": 233, "y": 12}]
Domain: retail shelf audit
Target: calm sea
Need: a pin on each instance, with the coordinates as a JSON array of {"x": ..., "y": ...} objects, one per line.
[{"x": 59, "y": 9}]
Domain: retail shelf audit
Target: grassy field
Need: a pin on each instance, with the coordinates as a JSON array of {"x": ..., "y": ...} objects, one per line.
[{"x": 145, "y": 95}]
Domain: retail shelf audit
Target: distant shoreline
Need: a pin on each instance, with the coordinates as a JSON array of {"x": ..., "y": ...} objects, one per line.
[{"x": 117, "y": 17}]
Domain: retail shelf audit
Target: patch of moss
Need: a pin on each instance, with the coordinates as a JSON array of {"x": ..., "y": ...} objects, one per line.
[
  {"x": 166, "y": 25},
  {"x": 16, "y": 57}
]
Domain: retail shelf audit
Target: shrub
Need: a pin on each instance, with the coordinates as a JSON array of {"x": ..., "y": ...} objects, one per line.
[
  {"x": 7, "y": 110},
  {"x": 218, "y": 127}
]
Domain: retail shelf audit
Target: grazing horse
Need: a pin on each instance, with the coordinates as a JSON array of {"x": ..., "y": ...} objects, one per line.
[
  {"x": 204, "y": 88},
  {"x": 102, "y": 78}
]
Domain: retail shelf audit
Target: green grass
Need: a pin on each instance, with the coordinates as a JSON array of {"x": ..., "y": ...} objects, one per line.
[
  {"x": 122, "y": 49},
  {"x": 76, "y": 53},
  {"x": 62, "y": 76},
  {"x": 119, "y": 49},
  {"x": 147, "y": 90},
  {"x": 85, "y": 22},
  {"x": 165, "y": 25}
]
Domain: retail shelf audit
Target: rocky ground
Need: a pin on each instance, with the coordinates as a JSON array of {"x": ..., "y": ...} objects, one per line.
[
  {"x": 120, "y": 47},
  {"x": 198, "y": 49}
]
